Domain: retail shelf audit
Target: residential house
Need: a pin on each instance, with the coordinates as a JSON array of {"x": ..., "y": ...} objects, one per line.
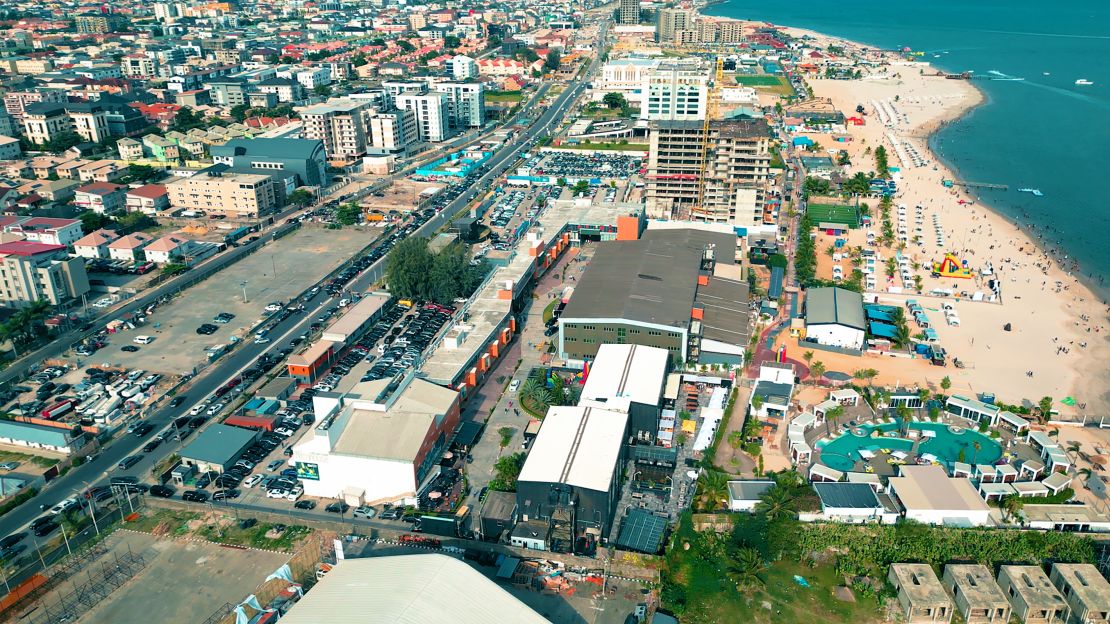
[
  {"x": 101, "y": 197},
  {"x": 94, "y": 245},
  {"x": 167, "y": 249},
  {"x": 48, "y": 230},
  {"x": 129, "y": 247},
  {"x": 149, "y": 199},
  {"x": 1032, "y": 596},
  {"x": 32, "y": 271},
  {"x": 978, "y": 597},
  {"x": 921, "y": 596},
  {"x": 129, "y": 149},
  {"x": 1085, "y": 589}
]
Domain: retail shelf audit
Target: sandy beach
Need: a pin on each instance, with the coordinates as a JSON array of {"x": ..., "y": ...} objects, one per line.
[{"x": 1057, "y": 336}]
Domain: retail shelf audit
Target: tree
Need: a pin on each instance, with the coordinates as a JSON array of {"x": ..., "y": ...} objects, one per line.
[
  {"x": 300, "y": 197},
  {"x": 350, "y": 214},
  {"x": 1044, "y": 407},
  {"x": 817, "y": 370},
  {"x": 882, "y": 166},
  {"x": 451, "y": 42},
  {"x": 62, "y": 141},
  {"x": 581, "y": 186},
  {"x": 506, "y": 472},
  {"x": 322, "y": 90},
  {"x": 1012, "y": 505},
  {"x": 1074, "y": 448},
  {"x": 449, "y": 274},
  {"x": 614, "y": 100},
  {"x": 506, "y": 434},
  {"x": 173, "y": 268},
  {"x": 743, "y": 565},
  {"x": 240, "y": 112},
  {"x": 143, "y": 173},
  {"x": 408, "y": 268},
  {"x": 185, "y": 120},
  {"x": 93, "y": 221},
  {"x": 405, "y": 45},
  {"x": 808, "y": 357},
  {"x": 866, "y": 374},
  {"x": 776, "y": 502},
  {"x": 713, "y": 490},
  {"x": 833, "y": 415},
  {"x": 978, "y": 447},
  {"x": 757, "y": 402},
  {"x": 551, "y": 63},
  {"x": 945, "y": 383},
  {"x": 535, "y": 392}
]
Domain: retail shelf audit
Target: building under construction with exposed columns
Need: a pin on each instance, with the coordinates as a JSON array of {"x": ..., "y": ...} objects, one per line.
[{"x": 734, "y": 158}]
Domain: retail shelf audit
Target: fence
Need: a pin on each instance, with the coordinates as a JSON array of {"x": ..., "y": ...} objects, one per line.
[{"x": 65, "y": 559}]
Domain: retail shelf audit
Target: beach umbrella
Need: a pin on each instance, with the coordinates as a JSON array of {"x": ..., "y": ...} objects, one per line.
[{"x": 1098, "y": 459}]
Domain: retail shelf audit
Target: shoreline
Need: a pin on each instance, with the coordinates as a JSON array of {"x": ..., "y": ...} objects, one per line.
[{"x": 1069, "y": 306}]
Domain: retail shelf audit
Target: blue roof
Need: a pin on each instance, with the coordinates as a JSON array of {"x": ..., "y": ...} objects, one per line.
[
  {"x": 803, "y": 141},
  {"x": 874, "y": 314},
  {"x": 882, "y": 330},
  {"x": 35, "y": 434},
  {"x": 774, "y": 289}
]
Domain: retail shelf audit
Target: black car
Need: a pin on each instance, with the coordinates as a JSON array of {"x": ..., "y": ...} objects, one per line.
[
  {"x": 129, "y": 348},
  {"x": 150, "y": 446},
  {"x": 12, "y": 540},
  {"x": 161, "y": 491},
  {"x": 45, "y": 529},
  {"x": 128, "y": 462},
  {"x": 177, "y": 400},
  {"x": 197, "y": 422},
  {"x": 337, "y": 507},
  {"x": 194, "y": 496},
  {"x": 207, "y": 329},
  {"x": 551, "y": 331},
  {"x": 12, "y": 551},
  {"x": 143, "y": 429},
  {"x": 227, "y": 494},
  {"x": 247, "y": 523},
  {"x": 305, "y": 504}
]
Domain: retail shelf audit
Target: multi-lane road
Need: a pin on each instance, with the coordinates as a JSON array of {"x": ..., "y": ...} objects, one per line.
[{"x": 246, "y": 355}]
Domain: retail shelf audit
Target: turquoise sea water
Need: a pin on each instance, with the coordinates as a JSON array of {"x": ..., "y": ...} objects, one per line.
[
  {"x": 842, "y": 452},
  {"x": 1044, "y": 132}
]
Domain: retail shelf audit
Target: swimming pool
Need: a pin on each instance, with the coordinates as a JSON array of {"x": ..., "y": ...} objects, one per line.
[{"x": 842, "y": 453}]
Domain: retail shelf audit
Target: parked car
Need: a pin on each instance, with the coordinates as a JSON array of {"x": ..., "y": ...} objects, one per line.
[
  {"x": 128, "y": 462},
  {"x": 195, "y": 496},
  {"x": 364, "y": 511},
  {"x": 305, "y": 504},
  {"x": 338, "y": 507},
  {"x": 161, "y": 491}
]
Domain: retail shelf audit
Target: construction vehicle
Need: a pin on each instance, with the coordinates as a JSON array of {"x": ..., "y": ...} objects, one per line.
[{"x": 419, "y": 540}]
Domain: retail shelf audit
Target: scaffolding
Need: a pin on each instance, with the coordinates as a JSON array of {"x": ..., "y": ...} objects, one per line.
[
  {"x": 104, "y": 577},
  {"x": 712, "y": 109}
]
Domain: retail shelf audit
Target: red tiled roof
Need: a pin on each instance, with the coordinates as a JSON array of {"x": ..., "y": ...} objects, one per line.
[
  {"x": 27, "y": 248},
  {"x": 99, "y": 188},
  {"x": 150, "y": 191}
]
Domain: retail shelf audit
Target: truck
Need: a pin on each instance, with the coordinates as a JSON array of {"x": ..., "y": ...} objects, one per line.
[
  {"x": 238, "y": 233},
  {"x": 419, "y": 540},
  {"x": 58, "y": 409}
]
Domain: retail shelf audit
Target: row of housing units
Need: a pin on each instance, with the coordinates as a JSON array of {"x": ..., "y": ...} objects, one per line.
[{"x": 1071, "y": 593}]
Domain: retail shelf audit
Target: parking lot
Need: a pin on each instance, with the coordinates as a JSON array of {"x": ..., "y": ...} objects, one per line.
[
  {"x": 181, "y": 581},
  {"x": 278, "y": 272},
  {"x": 573, "y": 165}
]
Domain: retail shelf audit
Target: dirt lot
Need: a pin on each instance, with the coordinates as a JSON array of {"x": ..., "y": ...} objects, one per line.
[
  {"x": 300, "y": 260},
  {"x": 182, "y": 581}
]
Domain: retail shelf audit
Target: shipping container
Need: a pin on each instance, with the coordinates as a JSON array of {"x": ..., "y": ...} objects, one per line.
[{"x": 251, "y": 422}]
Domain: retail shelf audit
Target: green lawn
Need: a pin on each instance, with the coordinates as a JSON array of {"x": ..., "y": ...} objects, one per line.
[
  {"x": 833, "y": 213},
  {"x": 549, "y": 310},
  {"x": 22, "y": 458},
  {"x": 612, "y": 147},
  {"x": 765, "y": 82},
  {"x": 511, "y": 97}
]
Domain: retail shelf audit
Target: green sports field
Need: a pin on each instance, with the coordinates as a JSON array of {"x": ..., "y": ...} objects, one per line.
[{"x": 834, "y": 213}]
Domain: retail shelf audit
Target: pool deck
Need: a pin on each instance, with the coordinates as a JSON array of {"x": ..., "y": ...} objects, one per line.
[{"x": 881, "y": 464}]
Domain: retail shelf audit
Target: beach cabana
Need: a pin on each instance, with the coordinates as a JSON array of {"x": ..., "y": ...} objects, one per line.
[
  {"x": 822, "y": 408},
  {"x": 1032, "y": 468},
  {"x": 1057, "y": 460},
  {"x": 1056, "y": 481},
  {"x": 931, "y": 336},
  {"x": 801, "y": 141},
  {"x": 882, "y": 330},
  {"x": 995, "y": 490},
  {"x": 1012, "y": 422},
  {"x": 1040, "y": 441},
  {"x": 1006, "y": 473},
  {"x": 869, "y": 478},
  {"x": 1026, "y": 489},
  {"x": 986, "y": 473},
  {"x": 961, "y": 469},
  {"x": 845, "y": 396},
  {"x": 821, "y": 472},
  {"x": 972, "y": 409}
]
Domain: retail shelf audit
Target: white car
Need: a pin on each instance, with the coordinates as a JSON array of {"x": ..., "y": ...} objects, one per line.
[
  {"x": 283, "y": 432},
  {"x": 295, "y": 493},
  {"x": 63, "y": 506},
  {"x": 273, "y": 307},
  {"x": 277, "y": 493},
  {"x": 514, "y": 385},
  {"x": 261, "y": 340},
  {"x": 252, "y": 480},
  {"x": 215, "y": 409},
  {"x": 198, "y": 408}
]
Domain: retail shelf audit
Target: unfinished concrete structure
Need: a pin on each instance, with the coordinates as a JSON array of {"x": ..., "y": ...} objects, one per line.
[
  {"x": 921, "y": 595},
  {"x": 1033, "y": 598},
  {"x": 978, "y": 597},
  {"x": 1085, "y": 589}
]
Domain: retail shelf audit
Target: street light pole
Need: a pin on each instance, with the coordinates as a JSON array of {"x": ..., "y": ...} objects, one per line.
[
  {"x": 92, "y": 507},
  {"x": 244, "y": 285}
]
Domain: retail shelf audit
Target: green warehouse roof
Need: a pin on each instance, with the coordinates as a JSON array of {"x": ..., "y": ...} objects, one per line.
[{"x": 218, "y": 444}]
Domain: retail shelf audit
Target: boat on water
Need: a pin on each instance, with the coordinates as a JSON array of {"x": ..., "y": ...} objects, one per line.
[
  {"x": 1035, "y": 192},
  {"x": 1084, "y": 82}
]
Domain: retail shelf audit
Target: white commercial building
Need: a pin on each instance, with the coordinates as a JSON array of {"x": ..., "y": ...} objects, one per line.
[
  {"x": 462, "y": 67},
  {"x": 929, "y": 496},
  {"x": 433, "y": 114},
  {"x": 625, "y": 76},
  {"x": 380, "y": 441},
  {"x": 675, "y": 90},
  {"x": 466, "y": 103},
  {"x": 834, "y": 317}
]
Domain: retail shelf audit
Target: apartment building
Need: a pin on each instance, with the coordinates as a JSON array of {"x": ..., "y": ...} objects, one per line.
[
  {"x": 139, "y": 66},
  {"x": 432, "y": 112},
  {"x": 95, "y": 24},
  {"x": 16, "y": 101},
  {"x": 31, "y": 272},
  {"x": 736, "y": 167},
  {"x": 676, "y": 89},
  {"x": 462, "y": 67},
  {"x": 340, "y": 123},
  {"x": 394, "y": 88},
  {"x": 629, "y": 12},
  {"x": 668, "y": 21},
  {"x": 466, "y": 103},
  {"x": 44, "y": 121},
  {"x": 237, "y": 195},
  {"x": 392, "y": 132}
]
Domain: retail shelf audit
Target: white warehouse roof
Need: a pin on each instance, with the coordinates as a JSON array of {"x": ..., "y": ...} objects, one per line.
[
  {"x": 408, "y": 589},
  {"x": 623, "y": 373},
  {"x": 578, "y": 446}
]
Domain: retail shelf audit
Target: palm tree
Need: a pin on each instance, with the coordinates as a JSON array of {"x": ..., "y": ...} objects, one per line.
[
  {"x": 1074, "y": 449},
  {"x": 1044, "y": 406},
  {"x": 1012, "y": 505},
  {"x": 945, "y": 383},
  {"x": 817, "y": 370},
  {"x": 978, "y": 447},
  {"x": 1085, "y": 473},
  {"x": 743, "y": 565},
  {"x": 903, "y": 413},
  {"x": 757, "y": 402},
  {"x": 713, "y": 490},
  {"x": 535, "y": 392},
  {"x": 832, "y": 415},
  {"x": 776, "y": 502},
  {"x": 807, "y": 356}
]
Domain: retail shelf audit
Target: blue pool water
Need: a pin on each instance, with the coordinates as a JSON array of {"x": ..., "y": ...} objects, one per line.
[{"x": 842, "y": 453}]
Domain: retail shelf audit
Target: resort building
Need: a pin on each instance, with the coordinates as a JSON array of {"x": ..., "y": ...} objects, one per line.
[
  {"x": 745, "y": 495},
  {"x": 773, "y": 391},
  {"x": 854, "y": 503},
  {"x": 1085, "y": 589},
  {"x": 834, "y": 317},
  {"x": 928, "y": 495},
  {"x": 972, "y": 409},
  {"x": 920, "y": 594},
  {"x": 1032, "y": 596},
  {"x": 977, "y": 596}
]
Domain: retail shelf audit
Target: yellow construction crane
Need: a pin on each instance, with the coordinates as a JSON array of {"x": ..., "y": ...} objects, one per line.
[{"x": 712, "y": 108}]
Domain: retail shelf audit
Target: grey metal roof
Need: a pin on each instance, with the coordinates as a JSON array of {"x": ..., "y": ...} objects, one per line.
[
  {"x": 642, "y": 531},
  {"x": 263, "y": 147},
  {"x": 652, "y": 280},
  {"x": 779, "y": 392},
  {"x": 725, "y": 311},
  {"x": 218, "y": 444},
  {"x": 847, "y": 495},
  {"x": 834, "y": 306},
  {"x": 748, "y": 490}
]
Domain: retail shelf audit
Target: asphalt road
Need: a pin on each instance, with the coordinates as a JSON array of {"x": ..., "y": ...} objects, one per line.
[{"x": 98, "y": 471}]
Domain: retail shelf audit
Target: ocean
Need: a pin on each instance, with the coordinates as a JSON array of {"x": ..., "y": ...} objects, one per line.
[{"x": 1043, "y": 132}]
